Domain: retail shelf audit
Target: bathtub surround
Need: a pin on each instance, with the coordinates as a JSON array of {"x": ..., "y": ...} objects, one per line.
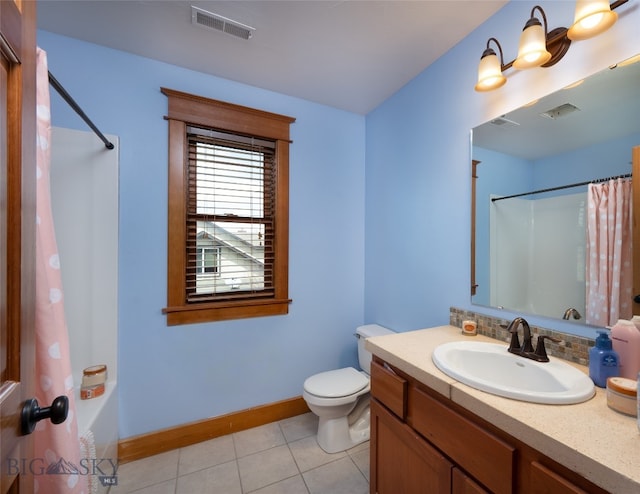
[
  {"x": 84, "y": 194},
  {"x": 520, "y": 229}
]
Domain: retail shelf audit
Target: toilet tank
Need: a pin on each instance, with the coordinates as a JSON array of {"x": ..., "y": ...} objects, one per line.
[{"x": 363, "y": 332}]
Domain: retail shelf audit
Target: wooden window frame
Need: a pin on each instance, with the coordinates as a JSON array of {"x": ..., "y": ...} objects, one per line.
[{"x": 186, "y": 109}]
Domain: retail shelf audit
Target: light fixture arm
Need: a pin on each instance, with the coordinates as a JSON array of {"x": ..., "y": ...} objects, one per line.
[
  {"x": 617, "y": 4},
  {"x": 499, "y": 49},
  {"x": 535, "y": 19}
]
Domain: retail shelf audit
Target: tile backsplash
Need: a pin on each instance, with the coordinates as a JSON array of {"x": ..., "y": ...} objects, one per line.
[{"x": 572, "y": 348}]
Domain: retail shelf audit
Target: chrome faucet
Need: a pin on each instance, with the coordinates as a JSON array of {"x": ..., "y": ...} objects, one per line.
[
  {"x": 571, "y": 312},
  {"x": 526, "y": 350}
]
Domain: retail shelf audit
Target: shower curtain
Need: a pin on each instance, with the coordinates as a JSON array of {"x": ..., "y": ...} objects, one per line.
[
  {"x": 609, "y": 253},
  {"x": 57, "y": 447}
]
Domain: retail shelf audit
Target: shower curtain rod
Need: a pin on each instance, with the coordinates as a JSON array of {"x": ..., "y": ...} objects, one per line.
[
  {"x": 67, "y": 97},
  {"x": 594, "y": 181}
]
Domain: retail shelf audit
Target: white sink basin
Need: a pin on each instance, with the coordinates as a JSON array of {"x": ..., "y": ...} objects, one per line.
[{"x": 491, "y": 368}]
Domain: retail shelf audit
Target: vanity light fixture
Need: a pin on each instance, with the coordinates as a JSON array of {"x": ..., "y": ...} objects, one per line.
[
  {"x": 542, "y": 48},
  {"x": 532, "y": 50},
  {"x": 490, "y": 69}
]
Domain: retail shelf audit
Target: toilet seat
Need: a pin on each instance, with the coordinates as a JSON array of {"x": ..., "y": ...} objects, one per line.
[{"x": 336, "y": 383}]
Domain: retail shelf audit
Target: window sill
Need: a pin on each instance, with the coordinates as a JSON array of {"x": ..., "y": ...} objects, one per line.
[{"x": 210, "y": 312}]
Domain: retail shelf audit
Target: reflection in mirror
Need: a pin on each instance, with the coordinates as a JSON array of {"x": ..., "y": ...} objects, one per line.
[{"x": 538, "y": 169}]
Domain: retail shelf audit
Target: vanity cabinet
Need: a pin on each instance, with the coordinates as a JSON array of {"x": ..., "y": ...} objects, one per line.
[
  {"x": 404, "y": 461},
  {"x": 422, "y": 442}
]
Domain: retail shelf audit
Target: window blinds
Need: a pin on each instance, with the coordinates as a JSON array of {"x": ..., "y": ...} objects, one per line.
[{"x": 230, "y": 211}]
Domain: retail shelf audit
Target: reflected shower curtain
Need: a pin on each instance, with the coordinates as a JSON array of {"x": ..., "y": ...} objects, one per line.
[
  {"x": 57, "y": 447},
  {"x": 609, "y": 253}
]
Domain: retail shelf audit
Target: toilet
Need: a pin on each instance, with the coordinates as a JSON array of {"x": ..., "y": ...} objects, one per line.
[{"x": 340, "y": 398}]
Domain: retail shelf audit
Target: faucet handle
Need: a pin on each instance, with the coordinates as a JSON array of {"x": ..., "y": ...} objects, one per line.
[{"x": 541, "y": 351}]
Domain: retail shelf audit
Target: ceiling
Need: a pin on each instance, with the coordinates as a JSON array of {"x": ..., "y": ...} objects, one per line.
[{"x": 350, "y": 55}]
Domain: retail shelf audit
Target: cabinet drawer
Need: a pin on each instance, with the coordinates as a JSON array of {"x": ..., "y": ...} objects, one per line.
[
  {"x": 544, "y": 481},
  {"x": 389, "y": 388},
  {"x": 484, "y": 456}
]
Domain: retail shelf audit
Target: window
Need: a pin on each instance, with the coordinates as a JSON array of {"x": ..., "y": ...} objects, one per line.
[
  {"x": 207, "y": 260},
  {"x": 228, "y": 211}
]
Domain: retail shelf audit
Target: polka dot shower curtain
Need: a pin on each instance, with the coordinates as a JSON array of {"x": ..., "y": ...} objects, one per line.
[
  {"x": 57, "y": 447},
  {"x": 609, "y": 252}
]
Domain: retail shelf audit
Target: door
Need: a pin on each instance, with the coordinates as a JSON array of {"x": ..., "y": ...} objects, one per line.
[
  {"x": 401, "y": 461},
  {"x": 17, "y": 236}
]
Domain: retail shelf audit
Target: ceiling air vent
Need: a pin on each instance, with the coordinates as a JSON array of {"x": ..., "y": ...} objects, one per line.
[
  {"x": 502, "y": 121},
  {"x": 560, "y": 111},
  {"x": 210, "y": 20}
]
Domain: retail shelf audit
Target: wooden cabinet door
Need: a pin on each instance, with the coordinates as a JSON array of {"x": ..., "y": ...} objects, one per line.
[
  {"x": 403, "y": 462},
  {"x": 17, "y": 235}
]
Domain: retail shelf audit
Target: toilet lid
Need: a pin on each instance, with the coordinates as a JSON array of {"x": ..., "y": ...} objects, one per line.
[{"x": 336, "y": 383}]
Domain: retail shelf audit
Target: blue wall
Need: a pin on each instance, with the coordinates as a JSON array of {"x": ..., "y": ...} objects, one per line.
[
  {"x": 198, "y": 371},
  {"x": 414, "y": 217},
  {"x": 419, "y": 165},
  {"x": 596, "y": 161}
]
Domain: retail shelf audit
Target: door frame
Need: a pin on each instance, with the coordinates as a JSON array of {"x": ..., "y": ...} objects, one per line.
[{"x": 18, "y": 45}]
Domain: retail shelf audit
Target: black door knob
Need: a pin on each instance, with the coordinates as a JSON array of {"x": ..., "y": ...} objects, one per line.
[
  {"x": 32, "y": 413},
  {"x": 636, "y": 299}
]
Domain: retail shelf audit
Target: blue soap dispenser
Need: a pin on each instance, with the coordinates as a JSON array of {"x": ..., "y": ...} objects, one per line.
[{"x": 604, "y": 362}]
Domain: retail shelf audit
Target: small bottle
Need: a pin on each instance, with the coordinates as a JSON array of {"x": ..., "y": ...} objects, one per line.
[
  {"x": 626, "y": 342},
  {"x": 603, "y": 360}
]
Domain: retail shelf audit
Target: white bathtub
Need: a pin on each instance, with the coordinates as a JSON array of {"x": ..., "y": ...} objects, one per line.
[{"x": 98, "y": 431}]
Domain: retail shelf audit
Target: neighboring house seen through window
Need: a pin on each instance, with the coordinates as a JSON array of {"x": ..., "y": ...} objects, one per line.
[
  {"x": 228, "y": 211},
  {"x": 207, "y": 260}
]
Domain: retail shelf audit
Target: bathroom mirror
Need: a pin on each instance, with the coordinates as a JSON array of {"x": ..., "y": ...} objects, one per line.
[{"x": 528, "y": 252}]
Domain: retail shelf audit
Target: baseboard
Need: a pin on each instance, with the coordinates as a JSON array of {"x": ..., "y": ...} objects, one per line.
[{"x": 144, "y": 445}]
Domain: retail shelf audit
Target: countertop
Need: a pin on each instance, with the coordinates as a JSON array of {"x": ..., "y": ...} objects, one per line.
[{"x": 590, "y": 438}]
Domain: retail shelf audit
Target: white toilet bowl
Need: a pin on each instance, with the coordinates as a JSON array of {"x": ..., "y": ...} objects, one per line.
[
  {"x": 340, "y": 399},
  {"x": 337, "y": 413}
]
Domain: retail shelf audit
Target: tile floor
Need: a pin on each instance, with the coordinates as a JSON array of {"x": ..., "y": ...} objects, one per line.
[{"x": 278, "y": 458}]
